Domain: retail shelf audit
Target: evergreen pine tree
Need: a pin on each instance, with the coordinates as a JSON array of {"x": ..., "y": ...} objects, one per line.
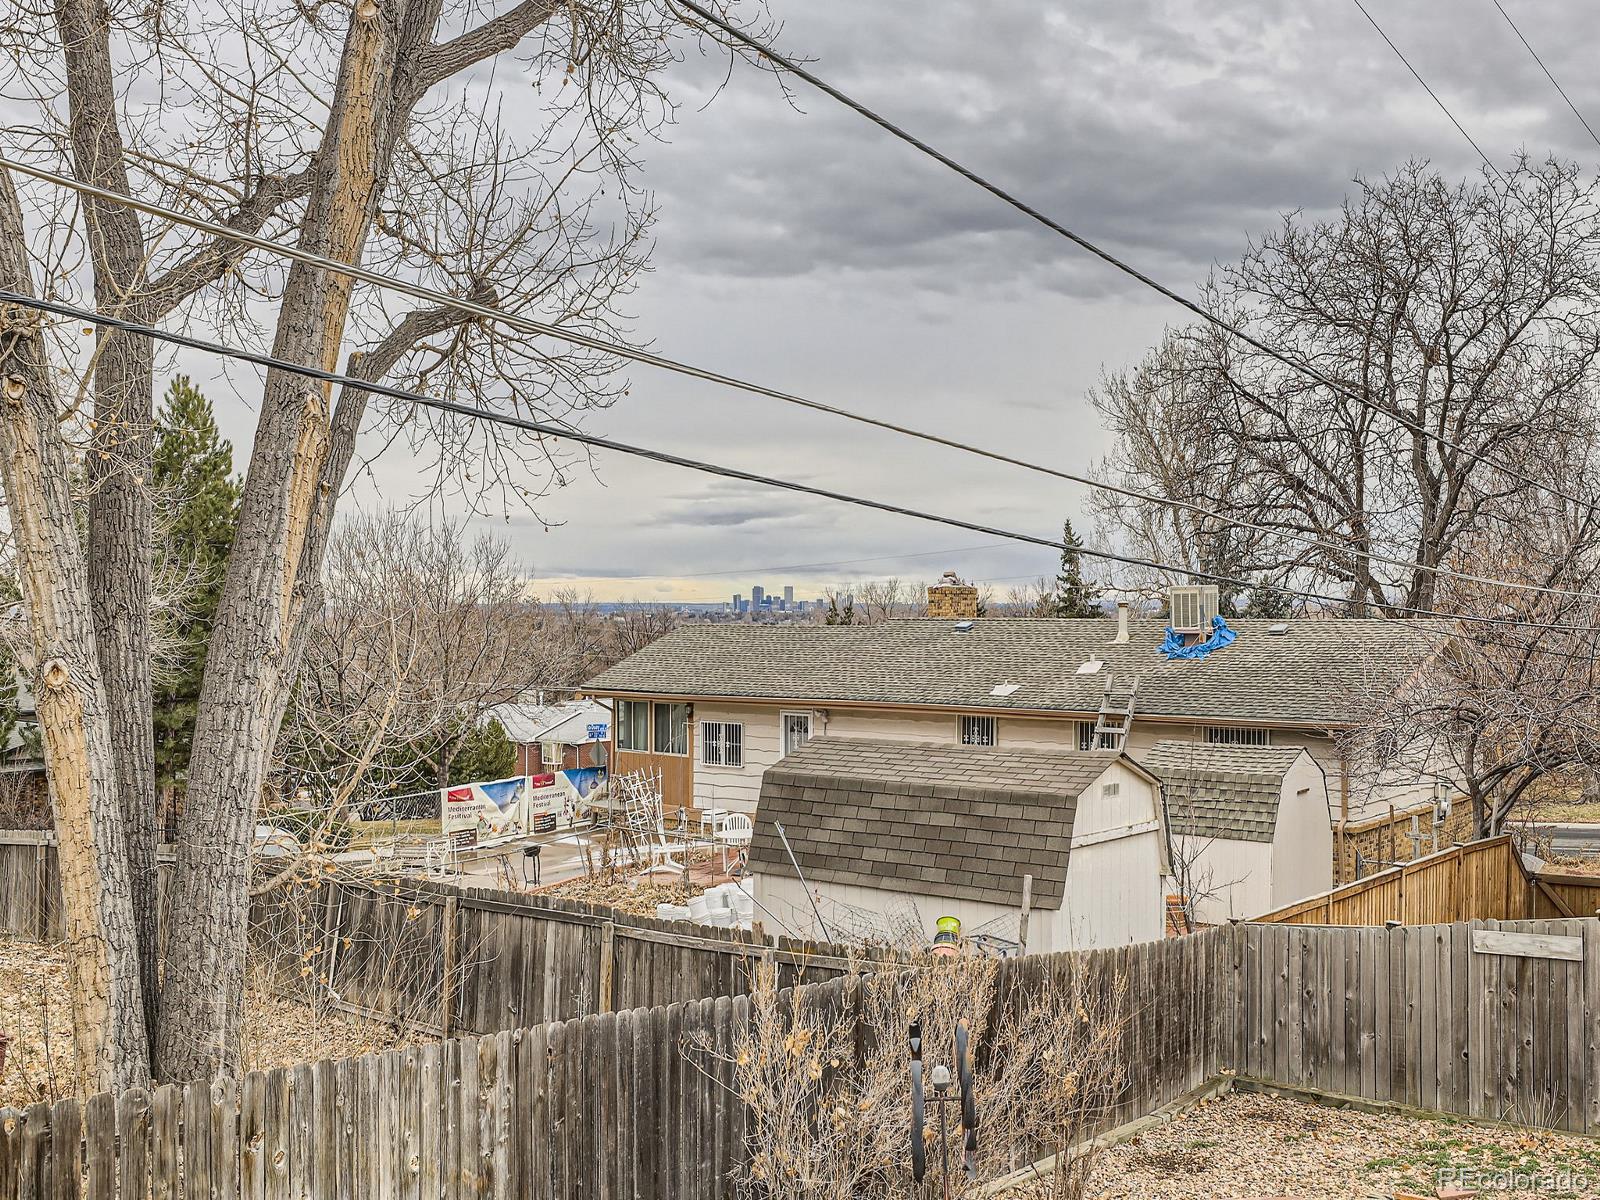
[
  {"x": 1074, "y": 596},
  {"x": 486, "y": 753},
  {"x": 192, "y": 470}
]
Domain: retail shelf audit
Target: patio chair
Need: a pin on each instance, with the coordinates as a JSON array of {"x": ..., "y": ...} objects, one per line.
[{"x": 736, "y": 831}]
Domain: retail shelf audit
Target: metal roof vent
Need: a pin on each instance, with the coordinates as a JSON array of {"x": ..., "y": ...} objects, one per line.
[
  {"x": 1092, "y": 667},
  {"x": 1003, "y": 689},
  {"x": 963, "y": 626},
  {"x": 1278, "y": 630}
]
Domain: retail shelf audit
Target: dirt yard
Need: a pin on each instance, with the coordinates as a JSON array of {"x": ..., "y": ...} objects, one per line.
[
  {"x": 1247, "y": 1144},
  {"x": 40, "y": 1064}
]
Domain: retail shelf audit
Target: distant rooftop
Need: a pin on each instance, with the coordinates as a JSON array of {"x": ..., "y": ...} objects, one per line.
[{"x": 1299, "y": 676}]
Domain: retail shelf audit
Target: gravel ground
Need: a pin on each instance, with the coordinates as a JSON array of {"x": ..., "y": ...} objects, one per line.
[
  {"x": 1247, "y": 1144},
  {"x": 40, "y": 1064}
]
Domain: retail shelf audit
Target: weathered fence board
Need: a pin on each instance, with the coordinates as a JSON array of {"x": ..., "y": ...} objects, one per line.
[
  {"x": 606, "y": 1105},
  {"x": 1483, "y": 880}
]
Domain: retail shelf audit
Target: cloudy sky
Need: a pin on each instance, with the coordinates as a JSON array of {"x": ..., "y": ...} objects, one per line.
[{"x": 802, "y": 247}]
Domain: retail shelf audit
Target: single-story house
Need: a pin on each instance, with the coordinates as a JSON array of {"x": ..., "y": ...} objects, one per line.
[
  {"x": 569, "y": 735},
  {"x": 710, "y": 707},
  {"x": 893, "y": 836},
  {"x": 1250, "y": 825}
]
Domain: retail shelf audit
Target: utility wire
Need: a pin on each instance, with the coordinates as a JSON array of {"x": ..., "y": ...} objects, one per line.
[
  {"x": 529, "y": 325},
  {"x": 1461, "y": 129},
  {"x": 557, "y": 431},
  {"x": 994, "y": 189},
  {"x": 1582, "y": 120}
]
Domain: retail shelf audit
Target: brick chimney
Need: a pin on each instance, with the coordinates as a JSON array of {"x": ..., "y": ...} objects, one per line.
[{"x": 952, "y": 599}]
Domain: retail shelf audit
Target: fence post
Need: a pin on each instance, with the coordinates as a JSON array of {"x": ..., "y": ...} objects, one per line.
[
  {"x": 1027, "y": 907},
  {"x": 42, "y": 900},
  {"x": 447, "y": 981},
  {"x": 608, "y": 959}
]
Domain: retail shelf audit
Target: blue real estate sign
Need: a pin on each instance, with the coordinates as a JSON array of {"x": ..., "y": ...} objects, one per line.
[{"x": 597, "y": 733}]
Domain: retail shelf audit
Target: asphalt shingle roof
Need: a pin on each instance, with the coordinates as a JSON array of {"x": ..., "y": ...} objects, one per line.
[
  {"x": 966, "y": 822},
  {"x": 1228, "y": 792},
  {"x": 1298, "y": 677},
  {"x": 566, "y": 721}
]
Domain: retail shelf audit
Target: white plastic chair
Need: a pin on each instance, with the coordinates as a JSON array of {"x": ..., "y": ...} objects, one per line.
[{"x": 736, "y": 831}]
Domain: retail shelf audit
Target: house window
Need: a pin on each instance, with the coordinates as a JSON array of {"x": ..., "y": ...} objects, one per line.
[
  {"x": 1229, "y": 735},
  {"x": 672, "y": 728},
  {"x": 796, "y": 730},
  {"x": 722, "y": 743},
  {"x": 633, "y": 725},
  {"x": 1088, "y": 741},
  {"x": 550, "y": 753},
  {"x": 977, "y": 731}
]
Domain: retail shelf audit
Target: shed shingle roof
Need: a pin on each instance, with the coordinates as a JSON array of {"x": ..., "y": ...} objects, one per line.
[
  {"x": 965, "y": 822},
  {"x": 1297, "y": 677},
  {"x": 1228, "y": 792}
]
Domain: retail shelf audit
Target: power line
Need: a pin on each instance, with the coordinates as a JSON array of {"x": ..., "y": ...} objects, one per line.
[
  {"x": 1461, "y": 129},
  {"x": 526, "y": 324},
  {"x": 559, "y": 431},
  {"x": 1581, "y": 119},
  {"x": 1028, "y": 210}
]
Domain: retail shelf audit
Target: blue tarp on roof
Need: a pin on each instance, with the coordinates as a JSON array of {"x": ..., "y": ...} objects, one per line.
[{"x": 1172, "y": 645}]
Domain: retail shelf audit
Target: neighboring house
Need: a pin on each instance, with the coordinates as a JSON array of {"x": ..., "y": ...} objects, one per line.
[
  {"x": 1251, "y": 829},
  {"x": 709, "y": 708},
  {"x": 893, "y": 835},
  {"x": 567, "y": 736}
]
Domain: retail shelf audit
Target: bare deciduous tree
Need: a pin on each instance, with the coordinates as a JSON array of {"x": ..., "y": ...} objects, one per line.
[
  {"x": 327, "y": 125},
  {"x": 1464, "y": 312},
  {"x": 1502, "y": 706},
  {"x": 421, "y": 631},
  {"x": 75, "y": 719}
]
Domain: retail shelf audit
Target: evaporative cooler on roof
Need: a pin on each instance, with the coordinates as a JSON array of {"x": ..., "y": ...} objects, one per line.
[{"x": 1192, "y": 607}]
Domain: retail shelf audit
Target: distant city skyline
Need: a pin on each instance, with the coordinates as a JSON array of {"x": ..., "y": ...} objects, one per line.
[{"x": 696, "y": 589}]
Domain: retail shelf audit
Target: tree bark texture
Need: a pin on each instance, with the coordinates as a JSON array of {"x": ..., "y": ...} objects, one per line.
[
  {"x": 119, "y": 461},
  {"x": 297, "y": 462},
  {"x": 75, "y": 719}
]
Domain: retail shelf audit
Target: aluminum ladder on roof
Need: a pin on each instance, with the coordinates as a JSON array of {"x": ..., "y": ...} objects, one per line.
[{"x": 1115, "y": 717}]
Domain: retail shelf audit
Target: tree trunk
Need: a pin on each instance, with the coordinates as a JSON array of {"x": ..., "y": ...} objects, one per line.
[
  {"x": 297, "y": 461},
  {"x": 119, "y": 462},
  {"x": 74, "y": 717},
  {"x": 255, "y": 647}
]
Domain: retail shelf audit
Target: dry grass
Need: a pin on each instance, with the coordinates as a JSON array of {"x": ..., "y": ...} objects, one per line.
[
  {"x": 41, "y": 1065},
  {"x": 1247, "y": 1144},
  {"x": 824, "y": 1080}
]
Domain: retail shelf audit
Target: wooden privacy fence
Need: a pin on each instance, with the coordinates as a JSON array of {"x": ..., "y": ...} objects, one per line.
[
  {"x": 1483, "y": 1019},
  {"x": 469, "y": 960},
  {"x": 1482, "y": 880},
  {"x": 611, "y": 1105},
  {"x": 30, "y": 885},
  {"x": 1488, "y": 1020}
]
